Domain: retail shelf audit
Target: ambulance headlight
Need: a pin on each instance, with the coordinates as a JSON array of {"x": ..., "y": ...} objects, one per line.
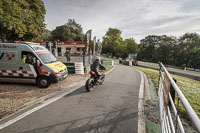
[{"x": 55, "y": 71}]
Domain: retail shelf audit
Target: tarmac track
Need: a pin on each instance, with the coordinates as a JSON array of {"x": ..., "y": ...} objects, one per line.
[{"x": 111, "y": 108}]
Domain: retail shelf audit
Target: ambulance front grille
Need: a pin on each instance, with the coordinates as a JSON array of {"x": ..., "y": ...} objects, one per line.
[{"x": 64, "y": 72}]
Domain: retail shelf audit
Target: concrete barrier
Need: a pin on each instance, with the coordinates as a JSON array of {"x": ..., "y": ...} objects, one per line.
[
  {"x": 75, "y": 67},
  {"x": 70, "y": 67},
  {"x": 79, "y": 69},
  {"x": 108, "y": 63}
]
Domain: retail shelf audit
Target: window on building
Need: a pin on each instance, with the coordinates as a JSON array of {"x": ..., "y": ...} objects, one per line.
[
  {"x": 78, "y": 49},
  {"x": 59, "y": 51}
]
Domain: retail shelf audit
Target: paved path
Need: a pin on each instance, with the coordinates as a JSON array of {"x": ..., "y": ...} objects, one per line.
[{"x": 111, "y": 108}]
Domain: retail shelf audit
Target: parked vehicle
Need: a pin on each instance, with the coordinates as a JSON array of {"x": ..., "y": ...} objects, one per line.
[
  {"x": 94, "y": 80},
  {"x": 30, "y": 63}
]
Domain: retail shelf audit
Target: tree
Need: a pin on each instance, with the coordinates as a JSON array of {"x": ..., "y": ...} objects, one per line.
[
  {"x": 46, "y": 35},
  {"x": 21, "y": 19},
  {"x": 75, "y": 30},
  {"x": 189, "y": 50},
  {"x": 71, "y": 31},
  {"x": 113, "y": 42},
  {"x": 147, "y": 48},
  {"x": 61, "y": 33},
  {"x": 158, "y": 49},
  {"x": 131, "y": 46},
  {"x": 165, "y": 51}
]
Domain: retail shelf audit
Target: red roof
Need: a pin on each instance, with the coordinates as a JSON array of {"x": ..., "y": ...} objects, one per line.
[
  {"x": 65, "y": 43},
  {"x": 70, "y": 43}
]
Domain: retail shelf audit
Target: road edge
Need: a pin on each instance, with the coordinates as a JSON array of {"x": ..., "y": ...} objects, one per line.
[
  {"x": 141, "y": 116},
  {"x": 110, "y": 70}
]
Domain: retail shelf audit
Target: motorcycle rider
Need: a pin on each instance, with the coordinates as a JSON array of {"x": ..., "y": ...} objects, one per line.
[{"x": 96, "y": 66}]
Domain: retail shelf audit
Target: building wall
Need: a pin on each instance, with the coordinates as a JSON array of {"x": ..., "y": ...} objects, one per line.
[{"x": 75, "y": 48}]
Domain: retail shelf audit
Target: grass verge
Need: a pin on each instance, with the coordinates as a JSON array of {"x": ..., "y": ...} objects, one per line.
[
  {"x": 108, "y": 58},
  {"x": 189, "y": 87},
  {"x": 108, "y": 68},
  {"x": 151, "y": 74}
]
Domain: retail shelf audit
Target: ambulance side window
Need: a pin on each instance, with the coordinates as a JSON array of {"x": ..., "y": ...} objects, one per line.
[{"x": 28, "y": 58}]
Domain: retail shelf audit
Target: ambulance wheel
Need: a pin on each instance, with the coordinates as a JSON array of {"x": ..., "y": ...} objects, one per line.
[{"x": 43, "y": 82}]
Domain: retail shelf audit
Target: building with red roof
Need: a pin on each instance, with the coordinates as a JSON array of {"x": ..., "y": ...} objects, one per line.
[{"x": 75, "y": 48}]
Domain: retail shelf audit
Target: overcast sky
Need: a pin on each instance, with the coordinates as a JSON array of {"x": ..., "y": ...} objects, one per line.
[{"x": 135, "y": 18}]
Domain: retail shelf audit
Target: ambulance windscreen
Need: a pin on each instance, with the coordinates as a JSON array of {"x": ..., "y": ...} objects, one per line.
[{"x": 47, "y": 58}]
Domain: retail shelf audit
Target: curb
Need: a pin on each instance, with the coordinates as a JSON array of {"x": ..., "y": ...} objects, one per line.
[
  {"x": 147, "y": 95},
  {"x": 141, "y": 117},
  {"x": 110, "y": 70},
  {"x": 141, "y": 102},
  {"x": 144, "y": 97}
]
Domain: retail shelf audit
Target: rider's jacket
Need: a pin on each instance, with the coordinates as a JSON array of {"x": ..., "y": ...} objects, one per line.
[{"x": 96, "y": 66}]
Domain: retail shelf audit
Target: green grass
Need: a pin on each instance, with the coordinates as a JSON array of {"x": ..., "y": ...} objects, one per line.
[
  {"x": 108, "y": 58},
  {"x": 191, "y": 90},
  {"x": 152, "y": 74},
  {"x": 189, "y": 87},
  {"x": 107, "y": 68},
  {"x": 152, "y": 127}
]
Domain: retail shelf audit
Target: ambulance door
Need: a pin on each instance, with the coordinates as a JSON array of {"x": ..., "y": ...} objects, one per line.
[{"x": 27, "y": 68}]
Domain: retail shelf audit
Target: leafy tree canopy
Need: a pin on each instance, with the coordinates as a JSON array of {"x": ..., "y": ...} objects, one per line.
[
  {"x": 184, "y": 52},
  {"x": 46, "y": 35},
  {"x": 71, "y": 31},
  {"x": 113, "y": 42},
  {"x": 157, "y": 48},
  {"x": 131, "y": 46},
  {"x": 21, "y": 19},
  {"x": 189, "y": 50}
]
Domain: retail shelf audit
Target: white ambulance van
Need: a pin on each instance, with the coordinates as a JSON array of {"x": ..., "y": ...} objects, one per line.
[{"x": 30, "y": 63}]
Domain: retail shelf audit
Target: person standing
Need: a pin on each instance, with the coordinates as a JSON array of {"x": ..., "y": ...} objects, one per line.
[{"x": 67, "y": 54}]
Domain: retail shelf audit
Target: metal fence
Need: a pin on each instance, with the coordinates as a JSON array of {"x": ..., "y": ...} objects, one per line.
[{"x": 169, "y": 111}]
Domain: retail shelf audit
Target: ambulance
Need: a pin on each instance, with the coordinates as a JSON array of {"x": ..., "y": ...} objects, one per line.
[{"x": 30, "y": 63}]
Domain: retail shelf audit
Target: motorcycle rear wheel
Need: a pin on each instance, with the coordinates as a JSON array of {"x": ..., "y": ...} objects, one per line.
[
  {"x": 89, "y": 84},
  {"x": 102, "y": 78}
]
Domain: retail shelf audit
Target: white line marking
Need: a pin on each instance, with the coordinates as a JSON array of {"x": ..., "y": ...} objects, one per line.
[{"x": 36, "y": 108}]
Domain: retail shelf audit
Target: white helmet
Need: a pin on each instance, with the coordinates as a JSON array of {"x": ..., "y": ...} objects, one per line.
[{"x": 98, "y": 58}]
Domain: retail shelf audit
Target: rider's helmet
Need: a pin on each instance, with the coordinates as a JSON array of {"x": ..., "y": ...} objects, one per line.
[{"x": 98, "y": 58}]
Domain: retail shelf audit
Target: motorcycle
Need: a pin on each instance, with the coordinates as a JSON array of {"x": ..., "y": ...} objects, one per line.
[{"x": 94, "y": 80}]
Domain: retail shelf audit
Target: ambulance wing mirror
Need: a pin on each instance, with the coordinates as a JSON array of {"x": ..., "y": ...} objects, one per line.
[{"x": 39, "y": 63}]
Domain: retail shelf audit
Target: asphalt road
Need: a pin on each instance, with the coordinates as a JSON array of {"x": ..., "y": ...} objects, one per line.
[{"x": 110, "y": 108}]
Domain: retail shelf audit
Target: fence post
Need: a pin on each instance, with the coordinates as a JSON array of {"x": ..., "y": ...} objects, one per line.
[
  {"x": 172, "y": 92},
  {"x": 159, "y": 73}
]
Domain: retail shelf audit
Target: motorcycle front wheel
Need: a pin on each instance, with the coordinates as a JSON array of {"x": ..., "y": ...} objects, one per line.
[{"x": 89, "y": 84}]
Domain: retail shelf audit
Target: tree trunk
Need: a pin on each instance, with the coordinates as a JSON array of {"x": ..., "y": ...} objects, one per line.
[{"x": 3, "y": 35}]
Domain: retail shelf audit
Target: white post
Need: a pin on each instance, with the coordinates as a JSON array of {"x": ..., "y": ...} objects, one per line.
[{"x": 130, "y": 62}]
